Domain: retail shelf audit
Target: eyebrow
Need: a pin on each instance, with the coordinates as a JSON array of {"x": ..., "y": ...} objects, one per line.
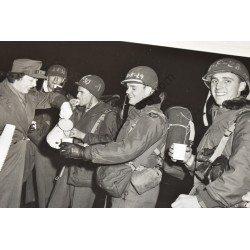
[{"x": 224, "y": 77}]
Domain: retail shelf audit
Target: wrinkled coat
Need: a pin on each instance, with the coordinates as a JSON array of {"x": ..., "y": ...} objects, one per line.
[
  {"x": 14, "y": 112},
  {"x": 129, "y": 145},
  {"x": 144, "y": 126},
  {"x": 228, "y": 189},
  {"x": 105, "y": 132}
]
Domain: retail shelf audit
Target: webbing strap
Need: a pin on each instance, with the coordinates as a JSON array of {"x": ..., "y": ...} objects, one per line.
[
  {"x": 205, "y": 121},
  {"x": 101, "y": 118},
  {"x": 222, "y": 143}
]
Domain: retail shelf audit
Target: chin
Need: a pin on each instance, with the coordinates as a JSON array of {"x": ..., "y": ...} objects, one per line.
[{"x": 219, "y": 100}]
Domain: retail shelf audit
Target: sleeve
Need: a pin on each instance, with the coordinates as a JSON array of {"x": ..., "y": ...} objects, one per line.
[
  {"x": 228, "y": 189},
  {"x": 48, "y": 100},
  {"x": 147, "y": 131},
  {"x": 42, "y": 129},
  {"x": 107, "y": 132}
]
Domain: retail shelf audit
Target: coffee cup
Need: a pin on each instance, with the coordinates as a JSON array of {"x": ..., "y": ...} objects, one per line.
[{"x": 179, "y": 151}]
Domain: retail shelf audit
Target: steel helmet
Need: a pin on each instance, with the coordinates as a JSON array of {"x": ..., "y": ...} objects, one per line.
[
  {"x": 224, "y": 65},
  {"x": 143, "y": 75},
  {"x": 227, "y": 65},
  {"x": 57, "y": 70},
  {"x": 94, "y": 84}
]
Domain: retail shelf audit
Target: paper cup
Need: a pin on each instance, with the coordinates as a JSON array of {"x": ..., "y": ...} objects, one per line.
[
  {"x": 179, "y": 151},
  {"x": 70, "y": 140}
]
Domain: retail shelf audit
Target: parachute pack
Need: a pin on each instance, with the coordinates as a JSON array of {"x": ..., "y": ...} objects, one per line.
[{"x": 181, "y": 130}]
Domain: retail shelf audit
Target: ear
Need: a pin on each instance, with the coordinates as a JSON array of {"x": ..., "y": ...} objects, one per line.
[
  {"x": 149, "y": 90},
  {"x": 242, "y": 86}
]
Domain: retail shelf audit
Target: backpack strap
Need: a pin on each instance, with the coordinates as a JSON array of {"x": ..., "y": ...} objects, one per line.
[
  {"x": 100, "y": 119},
  {"x": 226, "y": 136},
  {"x": 218, "y": 151}
]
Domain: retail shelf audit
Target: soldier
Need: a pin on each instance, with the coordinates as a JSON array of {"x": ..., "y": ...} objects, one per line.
[
  {"x": 47, "y": 159},
  {"x": 17, "y": 107},
  {"x": 145, "y": 126},
  {"x": 222, "y": 171},
  {"x": 95, "y": 122}
]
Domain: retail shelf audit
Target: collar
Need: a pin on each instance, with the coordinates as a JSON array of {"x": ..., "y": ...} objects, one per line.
[
  {"x": 237, "y": 103},
  {"x": 149, "y": 103},
  {"x": 153, "y": 99},
  {"x": 20, "y": 96}
]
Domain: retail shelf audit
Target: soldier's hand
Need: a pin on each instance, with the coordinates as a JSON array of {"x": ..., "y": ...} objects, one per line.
[
  {"x": 246, "y": 198},
  {"x": 71, "y": 150},
  {"x": 188, "y": 154},
  {"x": 77, "y": 134}
]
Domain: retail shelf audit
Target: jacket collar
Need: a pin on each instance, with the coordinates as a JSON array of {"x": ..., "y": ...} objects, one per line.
[
  {"x": 149, "y": 103},
  {"x": 237, "y": 103}
]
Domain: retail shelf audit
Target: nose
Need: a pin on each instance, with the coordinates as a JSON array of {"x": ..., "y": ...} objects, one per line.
[
  {"x": 56, "y": 79},
  {"x": 128, "y": 91},
  {"x": 220, "y": 84}
]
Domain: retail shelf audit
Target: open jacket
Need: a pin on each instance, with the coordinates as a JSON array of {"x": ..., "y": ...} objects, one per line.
[
  {"x": 107, "y": 129},
  {"x": 228, "y": 189},
  {"x": 82, "y": 173}
]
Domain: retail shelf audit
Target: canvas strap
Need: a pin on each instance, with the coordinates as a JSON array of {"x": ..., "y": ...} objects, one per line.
[{"x": 101, "y": 118}]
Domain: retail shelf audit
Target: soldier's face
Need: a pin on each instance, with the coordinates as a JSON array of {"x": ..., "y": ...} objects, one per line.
[
  {"x": 24, "y": 84},
  {"x": 54, "y": 81},
  {"x": 137, "y": 92},
  {"x": 226, "y": 86},
  {"x": 84, "y": 96}
]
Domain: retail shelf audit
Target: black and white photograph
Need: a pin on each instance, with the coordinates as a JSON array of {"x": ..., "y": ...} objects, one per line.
[
  {"x": 137, "y": 105},
  {"x": 123, "y": 125}
]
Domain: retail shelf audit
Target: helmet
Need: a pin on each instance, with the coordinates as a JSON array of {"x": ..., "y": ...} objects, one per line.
[
  {"x": 227, "y": 65},
  {"x": 143, "y": 75},
  {"x": 94, "y": 84},
  {"x": 224, "y": 65},
  {"x": 57, "y": 70}
]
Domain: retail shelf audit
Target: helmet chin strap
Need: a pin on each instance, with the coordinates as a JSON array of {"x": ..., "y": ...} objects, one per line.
[{"x": 205, "y": 121}]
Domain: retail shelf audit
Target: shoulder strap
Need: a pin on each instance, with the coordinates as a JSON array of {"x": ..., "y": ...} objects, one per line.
[
  {"x": 100, "y": 119},
  {"x": 218, "y": 151},
  {"x": 149, "y": 151},
  {"x": 225, "y": 137}
]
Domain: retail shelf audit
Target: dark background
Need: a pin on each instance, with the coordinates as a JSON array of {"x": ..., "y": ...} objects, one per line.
[{"x": 179, "y": 71}]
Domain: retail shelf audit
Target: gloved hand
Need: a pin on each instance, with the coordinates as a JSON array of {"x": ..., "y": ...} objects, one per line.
[
  {"x": 71, "y": 150},
  {"x": 66, "y": 111}
]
